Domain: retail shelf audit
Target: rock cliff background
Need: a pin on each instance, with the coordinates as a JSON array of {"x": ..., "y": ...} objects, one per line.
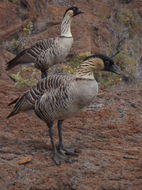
[{"x": 108, "y": 135}]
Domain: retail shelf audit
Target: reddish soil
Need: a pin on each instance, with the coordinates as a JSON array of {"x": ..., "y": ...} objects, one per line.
[{"x": 108, "y": 139}]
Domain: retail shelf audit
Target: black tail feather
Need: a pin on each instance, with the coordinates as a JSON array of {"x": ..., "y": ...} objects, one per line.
[
  {"x": 15, "y": 61},
  {"x": 11, "y": 64},
  {"x": 18, "y": 104},
  {"x": 10, "y": 115},
  {"x": 13, "y": 102}
]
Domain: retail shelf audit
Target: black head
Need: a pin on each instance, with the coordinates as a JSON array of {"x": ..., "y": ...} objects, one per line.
[
  {"x": 73, "y": 11},
  {"x": 108, "y": 63}
]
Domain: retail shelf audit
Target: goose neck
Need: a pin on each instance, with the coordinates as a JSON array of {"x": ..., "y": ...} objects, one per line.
[
  {"x": 85, "y": 71},
  {"x": 66, "y": 27}
]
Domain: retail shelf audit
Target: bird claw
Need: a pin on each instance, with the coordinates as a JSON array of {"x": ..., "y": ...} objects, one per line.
[
  {"x": 67, "y": 151},
  {"x": 58, "y": 158},
  {"x": 70, "y": 151}
]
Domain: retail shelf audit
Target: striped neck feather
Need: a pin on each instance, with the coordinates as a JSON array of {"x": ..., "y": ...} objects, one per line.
[
  {"x": 86, "y": 69},
  {"x": 65, "y": 26}
]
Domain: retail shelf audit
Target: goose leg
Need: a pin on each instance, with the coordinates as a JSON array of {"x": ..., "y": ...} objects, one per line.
[
  {"x": 57, "y": 157},
  {"x": 61, "y": 148},
  {"x": 44, "y": 74}
]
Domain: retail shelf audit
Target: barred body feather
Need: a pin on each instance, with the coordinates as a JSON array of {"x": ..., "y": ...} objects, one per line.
[{"x": 57, "y": 97}]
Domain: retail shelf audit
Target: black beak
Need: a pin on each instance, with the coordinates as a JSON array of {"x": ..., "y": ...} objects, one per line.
[
  {"x": 79, "y": 12},
  {"x": 114, "y": 69}
]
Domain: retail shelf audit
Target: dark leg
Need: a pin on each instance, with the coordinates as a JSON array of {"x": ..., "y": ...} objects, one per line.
[
  {"x": 44, "y": 74},
  {"x": 61, "y": 148},
  {"x": 51, "y": 134},
  {"x": 57, "y": 157},
  {"x": 60, "y": 134}
]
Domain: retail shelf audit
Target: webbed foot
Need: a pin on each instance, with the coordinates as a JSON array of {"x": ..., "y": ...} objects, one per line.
[{"x": 58, "y": 158}]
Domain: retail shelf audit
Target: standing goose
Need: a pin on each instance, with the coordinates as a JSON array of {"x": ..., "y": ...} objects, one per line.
[
  {"x": 61, "y": 96},
  {"x": 50, "y": 51}
]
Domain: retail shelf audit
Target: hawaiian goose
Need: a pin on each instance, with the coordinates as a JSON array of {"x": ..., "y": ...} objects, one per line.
[
  {"x": 61, "y": 96},
  {"x": 50, "y": 51}
]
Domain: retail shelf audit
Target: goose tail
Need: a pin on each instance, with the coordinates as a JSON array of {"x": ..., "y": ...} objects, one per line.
[
  {"x": 19, "y": 102},
  {"x": 16, "y": 61}
]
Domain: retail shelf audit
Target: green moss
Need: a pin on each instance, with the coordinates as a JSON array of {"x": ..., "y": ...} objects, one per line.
[
  {"x": 28, "y": 76},
  {"x": 28, "y": 29},
  {"x": 99, "y": 15},
  {"x": 108, "y": 79},
  {"x": 125, "y": 61}
]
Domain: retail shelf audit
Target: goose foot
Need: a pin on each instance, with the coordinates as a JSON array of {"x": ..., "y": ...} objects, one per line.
[
  {"x": 68, "y": 151},
  {"x": 58, "y": 158}
]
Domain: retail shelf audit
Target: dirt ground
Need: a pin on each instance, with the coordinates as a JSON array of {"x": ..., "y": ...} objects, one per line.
[{"x": 108, "y": 139}]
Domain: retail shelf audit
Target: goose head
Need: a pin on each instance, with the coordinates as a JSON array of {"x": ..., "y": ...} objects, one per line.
[
  {"x": 67, "y": 18},
  {"x": 101, "y": 62},
  {"x": 72, "y": 11},
  {"x": 96, "y": 62}
]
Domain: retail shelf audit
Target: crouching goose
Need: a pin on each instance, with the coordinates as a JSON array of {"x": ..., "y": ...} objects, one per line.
[
  {"x": 50, "y": 51},
  {"x": 61, "y": 96}
]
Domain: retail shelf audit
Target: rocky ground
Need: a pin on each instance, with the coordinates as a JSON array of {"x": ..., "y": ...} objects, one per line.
[{"x": 107, "y": 135}]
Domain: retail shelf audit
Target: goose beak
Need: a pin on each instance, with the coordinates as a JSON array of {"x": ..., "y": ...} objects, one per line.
[
  {"x": 79, "y": 11},
  {"x": 114, "y": 69}
]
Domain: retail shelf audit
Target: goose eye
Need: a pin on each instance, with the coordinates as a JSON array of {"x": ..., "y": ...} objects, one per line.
[{"x": 107, "y": 63}]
